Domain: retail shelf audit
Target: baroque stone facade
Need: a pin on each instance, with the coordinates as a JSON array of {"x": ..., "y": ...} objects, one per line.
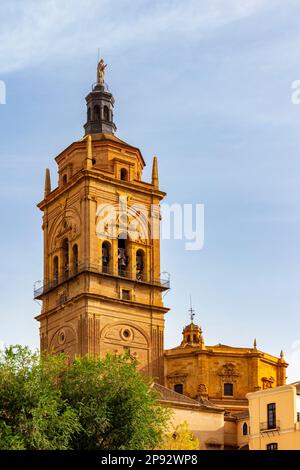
[{"x": 223, "y": 374}]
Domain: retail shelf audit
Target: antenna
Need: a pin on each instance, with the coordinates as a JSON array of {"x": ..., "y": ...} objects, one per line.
[{"x": 191, "y": 310}]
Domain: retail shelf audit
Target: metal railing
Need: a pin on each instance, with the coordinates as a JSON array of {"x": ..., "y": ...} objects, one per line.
[
  {"x": 68, "y": 274},
  {"x": 269, "y": 427}
]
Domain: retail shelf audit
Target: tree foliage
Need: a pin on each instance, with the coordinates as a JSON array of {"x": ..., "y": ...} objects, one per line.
[
  {"x": 180, "y": 438},
  {"x": 90, "y": 404}
]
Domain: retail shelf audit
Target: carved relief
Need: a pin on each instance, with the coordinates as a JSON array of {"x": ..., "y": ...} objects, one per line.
[
  {"x": 228, "y": 372},
  {"x": 120, "y": 333},
  {"x": 202, "y": 390},
  {"x": 64, "y": 338},
  {"x": 67, "y": 225},
  {"x": 267, "y": 382},
  {"x": 177, "y": 377},
  {"x": 111, "y": 220}
]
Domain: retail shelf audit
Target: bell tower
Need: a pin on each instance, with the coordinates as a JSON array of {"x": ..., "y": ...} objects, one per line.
[{"x": 102, "y": 288}]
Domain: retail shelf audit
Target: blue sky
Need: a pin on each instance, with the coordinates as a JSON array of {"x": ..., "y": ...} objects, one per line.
[{"x": 206, "y": 86}]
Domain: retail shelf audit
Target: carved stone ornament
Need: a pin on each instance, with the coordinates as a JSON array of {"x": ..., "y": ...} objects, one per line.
[{"x": 228, "y": 372}]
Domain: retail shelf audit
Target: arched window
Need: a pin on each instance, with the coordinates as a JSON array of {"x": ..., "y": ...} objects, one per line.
[
  {"x": 65, "y": 248},
  {"x": 55, "y": 270},
  {"x": 228, "y": 389},
  {"x": 124, "y": 174},
  {"x": 65, "y": 180},
  {"x": 89, "y": 114},
  {"x": 140, "y": 263},
  {"x": 245, "y": 429},
  {"x": 105, "y": 257},
  {"x": 75, "y": 259},
  {"x": 188, "y": 338},
  {"x": 106, "y": 113},
  {"x": 96, "y": 113},
  {"x": 122, "y": 255}
]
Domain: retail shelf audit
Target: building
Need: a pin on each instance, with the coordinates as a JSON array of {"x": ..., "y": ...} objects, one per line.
[
  {"x": 275, "y": 418},
  {"x": 102, "y": 289},
  {"x": 223, "y": 374},
  {"x": 205, "y": 420}
]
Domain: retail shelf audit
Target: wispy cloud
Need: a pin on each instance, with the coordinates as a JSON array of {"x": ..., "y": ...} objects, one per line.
[{"x": 33, "y": 32}]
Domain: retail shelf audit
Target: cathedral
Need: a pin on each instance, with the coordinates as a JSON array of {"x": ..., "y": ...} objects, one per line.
[{"x": 103, "y": 289}]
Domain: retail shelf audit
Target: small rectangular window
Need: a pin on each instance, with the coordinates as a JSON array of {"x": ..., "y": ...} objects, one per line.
[
  {"x": 125, "y": 294},
  {"x": 228, "y": 389},
  {"x": 272, "y": 446},
  {"x": 178, "y": 388}
]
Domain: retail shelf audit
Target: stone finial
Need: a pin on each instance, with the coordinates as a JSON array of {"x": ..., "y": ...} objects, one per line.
[
  {"x": 155, "y": 173},
  {"x": 254, "y": 344},
  {"x": 47, "y": 183},
  {"x": 281, "y": 355}
]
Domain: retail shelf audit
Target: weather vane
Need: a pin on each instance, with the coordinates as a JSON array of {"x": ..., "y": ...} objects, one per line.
[{"x": 191, "y": 310}]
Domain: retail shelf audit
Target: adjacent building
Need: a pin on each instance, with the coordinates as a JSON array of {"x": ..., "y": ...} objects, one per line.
[{"x": 275, "y": 418}]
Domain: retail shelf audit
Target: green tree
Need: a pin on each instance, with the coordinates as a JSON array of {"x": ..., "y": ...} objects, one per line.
[
  {"x": 180, "y": 438},
  {"x": 91, "y": 404},
  {"x": 117, "y": 407},
  {"x": 33, "y": 414}
]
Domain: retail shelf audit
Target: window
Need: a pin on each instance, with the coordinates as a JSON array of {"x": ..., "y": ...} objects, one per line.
[
  {"x": 271, "y": 410},
  {"x": 126, "y": 334},
  {"x": 55, "y": 270},
  {"x": 188, "y": 338},
  {"x": 89, "y": 114},
  {"x": 65, "y": 180},
  {"x": 124, "y": 174},
  {"x": 75, "y": 259},
  {"x": 139, "y": 265},
  {"x": 298, "y": 416},
  {"x": 125, "y": 294},
  {"x": 106, "y": 113},
  {"x": 96, "y": 113},
  {"x": 105, "y": 257},
  {"x": 245, "y": 429},
  {"x": 272, "y": 446},
  {"x": 65, "y": 249},
  {"x": 122, "y": 255},
  {"x": 228, "y": 389},
  {"x": 178, "y": 388}
]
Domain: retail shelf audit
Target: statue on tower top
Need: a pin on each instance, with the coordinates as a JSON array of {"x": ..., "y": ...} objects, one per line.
[{"x": 101, "y": 72}]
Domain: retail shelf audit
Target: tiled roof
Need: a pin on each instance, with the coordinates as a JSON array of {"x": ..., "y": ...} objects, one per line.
[{"x": 169, "y": 395}]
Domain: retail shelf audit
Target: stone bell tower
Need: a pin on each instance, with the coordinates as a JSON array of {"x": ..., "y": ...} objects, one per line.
[{"x": 102, "y": 288}]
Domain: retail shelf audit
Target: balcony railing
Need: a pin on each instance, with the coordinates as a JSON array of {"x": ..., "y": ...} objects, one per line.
[
  {"x": 269, "y": 427},
  {"x": 67, "y": 274}
]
